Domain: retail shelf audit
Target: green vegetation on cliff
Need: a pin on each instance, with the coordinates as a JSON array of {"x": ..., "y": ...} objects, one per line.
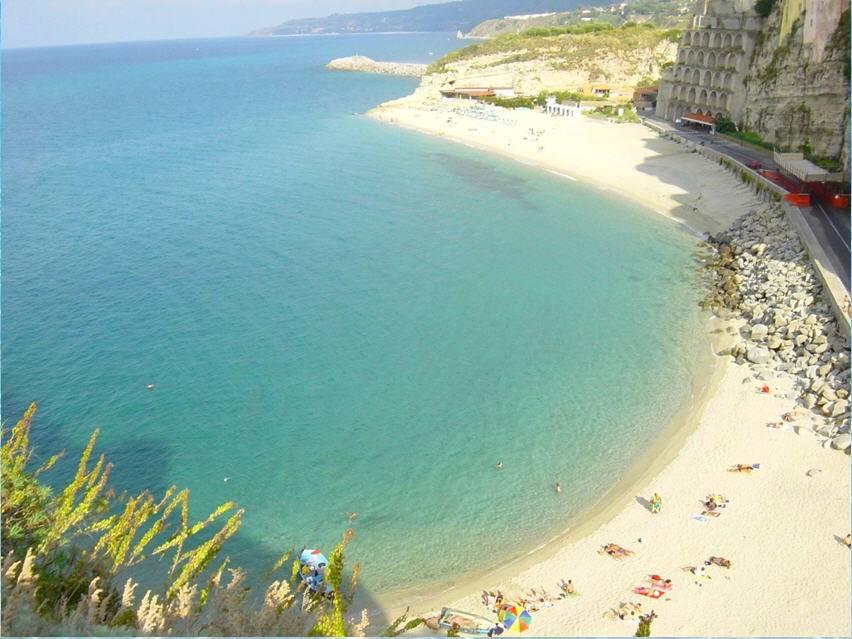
[
  {"x": 660, "y": 13},
  {"x": 582, "y": 42}
]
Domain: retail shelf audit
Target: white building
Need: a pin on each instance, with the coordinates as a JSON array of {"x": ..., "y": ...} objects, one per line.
[{"x": 552, "y": 107}]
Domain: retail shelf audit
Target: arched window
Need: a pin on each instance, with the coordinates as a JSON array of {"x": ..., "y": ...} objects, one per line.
[
  {"x": 702, "y": 97},
  {"x": 717, "y": 80},
  {"x": 705, "y": 39},
  {"x": 690, "y": 57},
  {"x": 700, "y": 59},
  {"x": 681, "y": 56},
  {"x": 729, "y": 81},
  {"x": 717, "y": 40},
  {"x": 727, "y": 41},
  {"x": 711, "y": 59},
  {"x": 690, "y": 97},
  {"x": 696, "y": 76},
  {"x": 707, "y": 79},
  {"x": 722, "y": 101},
  {"x": 738, "y": 41},
  {"x": 711, "y": 99}
]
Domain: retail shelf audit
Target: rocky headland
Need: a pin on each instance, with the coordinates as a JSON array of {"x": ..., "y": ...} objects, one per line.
[
  {"x": 368, "y": 65},
  {"x": 763, "y": 281}
]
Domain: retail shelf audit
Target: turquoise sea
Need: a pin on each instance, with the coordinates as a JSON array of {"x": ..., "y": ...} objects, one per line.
[{"x": 337, "y": 315}]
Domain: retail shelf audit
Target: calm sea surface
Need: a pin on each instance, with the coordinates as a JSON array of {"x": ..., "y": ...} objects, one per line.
[{"x": 337, "y": 315}]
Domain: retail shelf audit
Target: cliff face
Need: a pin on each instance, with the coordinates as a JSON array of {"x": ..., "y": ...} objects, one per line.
[
  {"x": 620, "y": 57},
  {"x": 797, "y": 91}
]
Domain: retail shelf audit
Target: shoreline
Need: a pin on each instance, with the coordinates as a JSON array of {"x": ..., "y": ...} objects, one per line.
[
  {"x": 457, "y": 121},
  {"x": 701, "y": 197},
  {"x": 647, "y": 464}
]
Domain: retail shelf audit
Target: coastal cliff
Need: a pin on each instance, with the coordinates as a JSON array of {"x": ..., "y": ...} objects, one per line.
[
  {"x": 560, "y": 59},
  {"x": 368, "y": 65},
  {"x": 798, "y": 88}
]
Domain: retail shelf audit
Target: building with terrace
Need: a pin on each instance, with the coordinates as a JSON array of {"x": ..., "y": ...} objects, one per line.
[{"x": 713, "y": 57}]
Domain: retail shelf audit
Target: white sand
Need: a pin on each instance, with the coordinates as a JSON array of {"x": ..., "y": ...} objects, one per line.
[
  {"x": 781, "y": 529},
  {"x": 627, "y": 158}
]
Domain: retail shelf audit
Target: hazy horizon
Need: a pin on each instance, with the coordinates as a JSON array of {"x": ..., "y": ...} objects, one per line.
[{"x": 43, "y": 23}]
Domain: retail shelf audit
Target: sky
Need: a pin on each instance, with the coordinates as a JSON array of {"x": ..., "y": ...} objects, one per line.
[{"x": 35, "y": 23}]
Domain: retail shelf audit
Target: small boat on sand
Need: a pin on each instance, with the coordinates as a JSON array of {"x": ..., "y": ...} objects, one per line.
[{"x": 468, "y": 623}]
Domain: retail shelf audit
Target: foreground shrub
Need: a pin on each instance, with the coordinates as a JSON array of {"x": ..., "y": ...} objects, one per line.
[{"x": 63, "y": 553}]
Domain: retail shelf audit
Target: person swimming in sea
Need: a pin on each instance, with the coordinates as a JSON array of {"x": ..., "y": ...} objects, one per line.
[
  {"x": 499, "y": 465},
  {"x": 558, "y": 487}
]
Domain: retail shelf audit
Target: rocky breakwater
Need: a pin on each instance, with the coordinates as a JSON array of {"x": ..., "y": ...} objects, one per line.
[
  {"x": 764, "y": 283},
  {"x": 368, "y": 65}
]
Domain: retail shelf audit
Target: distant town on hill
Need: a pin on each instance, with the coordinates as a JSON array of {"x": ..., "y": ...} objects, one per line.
[{"x": 462, "y": 15}]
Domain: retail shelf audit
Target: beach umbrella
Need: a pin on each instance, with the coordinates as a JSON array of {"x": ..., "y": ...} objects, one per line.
[
  {"x": 313, "y": 559},
  {"x": 515, "y": 618}
]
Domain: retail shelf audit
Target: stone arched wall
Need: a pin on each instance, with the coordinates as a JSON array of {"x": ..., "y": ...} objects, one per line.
[
  {"x": 727, "y": 41},
  {"x": 707, "y": 80}
]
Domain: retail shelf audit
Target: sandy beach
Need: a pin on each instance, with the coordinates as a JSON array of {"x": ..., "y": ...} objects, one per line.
[{"x": 783, "y": 524}]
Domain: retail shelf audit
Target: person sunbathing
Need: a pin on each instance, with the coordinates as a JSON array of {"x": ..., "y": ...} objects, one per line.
[
  {"x": 719, "y": 561},
  {"x": 659, "y": 582},
  {"x": 615, "y": 551},
  {"x": 743, "y": 468},
  {"x": 645, "y": 591}
]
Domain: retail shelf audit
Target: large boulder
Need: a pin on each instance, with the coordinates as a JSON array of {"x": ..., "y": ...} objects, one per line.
[
  {"x": 759, "y": 332},
  {"x": 757, "y": 355},
  {"x": 842, "y": 442}
]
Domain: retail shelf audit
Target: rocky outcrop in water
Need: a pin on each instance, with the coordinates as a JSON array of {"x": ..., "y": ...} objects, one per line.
[
  {"x": 761, "y": 275},
  {"x": 363, "y": 63}
]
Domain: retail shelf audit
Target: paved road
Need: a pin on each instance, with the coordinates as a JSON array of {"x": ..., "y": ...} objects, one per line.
[{"x": 831, "y": 226}]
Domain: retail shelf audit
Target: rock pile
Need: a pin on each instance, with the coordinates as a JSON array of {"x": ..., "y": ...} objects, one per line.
[
  {"x": 363, "y": 63},
  {"x": 761, "y": 274}
]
